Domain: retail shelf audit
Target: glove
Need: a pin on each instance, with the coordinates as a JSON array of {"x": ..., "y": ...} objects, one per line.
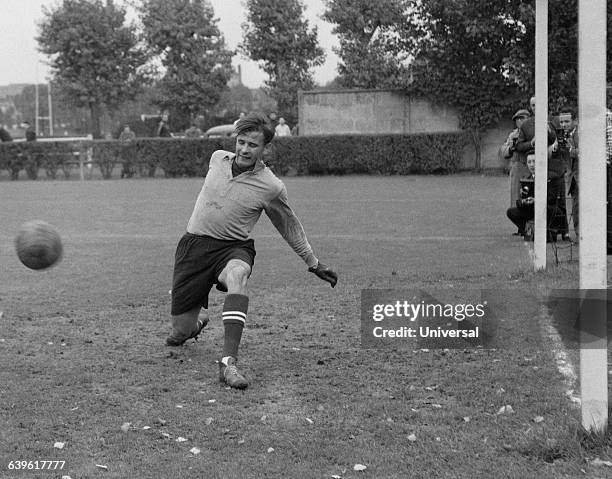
[{"x": 325, "y": 273}]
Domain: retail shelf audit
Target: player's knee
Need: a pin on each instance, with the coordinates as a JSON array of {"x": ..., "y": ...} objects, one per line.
[{"x": 236, "y": 277}]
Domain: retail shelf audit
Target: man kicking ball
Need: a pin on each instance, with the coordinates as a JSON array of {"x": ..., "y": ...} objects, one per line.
[{"x": 217, "y": 249}]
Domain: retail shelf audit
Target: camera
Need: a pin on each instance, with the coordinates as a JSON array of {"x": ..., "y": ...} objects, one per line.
[{"x": 562, "y": 138}]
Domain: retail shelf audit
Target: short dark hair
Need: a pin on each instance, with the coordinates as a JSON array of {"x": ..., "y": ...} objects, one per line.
[
  {"x": 255, "y": 122},
  {"x": 567, "y": 110}
]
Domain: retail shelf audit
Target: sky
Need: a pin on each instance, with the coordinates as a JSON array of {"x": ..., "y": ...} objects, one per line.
[{"x": 20, "y": 61}]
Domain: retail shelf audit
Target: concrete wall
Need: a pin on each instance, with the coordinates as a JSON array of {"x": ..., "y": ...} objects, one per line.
[{"x": 388, "y": 111}]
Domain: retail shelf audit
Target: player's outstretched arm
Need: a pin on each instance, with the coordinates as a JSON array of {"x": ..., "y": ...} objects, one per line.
[{"x": 325, "y": 273}]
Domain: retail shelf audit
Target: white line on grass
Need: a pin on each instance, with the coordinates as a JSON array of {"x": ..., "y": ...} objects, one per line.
[{"x": 561, "y": 357}]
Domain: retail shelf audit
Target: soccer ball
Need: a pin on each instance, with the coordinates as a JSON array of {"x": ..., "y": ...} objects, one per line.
[{"x": 38, "y": 245}]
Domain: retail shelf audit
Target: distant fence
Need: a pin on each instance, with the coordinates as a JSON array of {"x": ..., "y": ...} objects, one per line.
[{"x": 393, "y": 154}]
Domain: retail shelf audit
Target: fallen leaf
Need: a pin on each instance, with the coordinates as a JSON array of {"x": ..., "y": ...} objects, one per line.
[
  {"x": 505, "y": 410},
  {"x": 270, "y": 449},
  {"x": 59, "y": 445},
  {"x": 160, "y": 422},
  {"x": 181, "y": 439},
  {"x": 74, "y": 408},
  {"x": 263, "y": 418},
  {"x": 208, "y": 421},
  {"x": 102, "y": 466},
  {"x": 125, "y": 427},
  {"x": 212, "y": 401},
  {"x": 66, "y": 477},
  {"x": 412, "y": 437},
  {"x": 466, "y": 419},
  {"x": 538, "y": 419},
  {"x": 146, "y": 428},
  {"x": 241, "y": 441},
  {"x": 166, "y": 435},
  {"x": 320, "y": 408},
  {"x": 309, "y": 421},
  {"x": 179, "y": 406},
  {"x": 599, "y": 462},
  {"x": 194, "y": 451},
  {"x": 336, "y": 476},
  {"x": 359, "y": 467},
  {"x": 436, "y": 406}
]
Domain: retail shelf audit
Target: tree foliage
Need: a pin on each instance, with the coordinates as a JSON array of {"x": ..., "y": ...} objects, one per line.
[
  {"x": 94, "y": 54},
  {"x": 277, "y": 36},
  {"x": 197, "y": 65},
  {"x": 461, "y": 59},
  {"x": 374, "y": 48}
]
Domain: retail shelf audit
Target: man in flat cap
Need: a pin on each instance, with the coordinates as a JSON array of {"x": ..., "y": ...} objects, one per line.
[{"x": 518, "y": 166}]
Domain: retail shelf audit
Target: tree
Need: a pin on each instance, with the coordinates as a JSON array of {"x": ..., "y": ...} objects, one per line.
[
  {"x": 461, "y": 59},
  {"x": 276, "y": 35},
  {"x": 197, "y": 66},
  {"x": 94, "y": 54},
  {"x": 373, "y": 47}
]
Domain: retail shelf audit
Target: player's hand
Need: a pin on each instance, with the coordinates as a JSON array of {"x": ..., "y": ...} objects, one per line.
[{"x": 325, "y": 273}]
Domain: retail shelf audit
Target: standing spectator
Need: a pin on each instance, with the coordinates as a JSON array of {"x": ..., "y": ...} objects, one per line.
[
  {"x": 126, "y": 137},
  {"x": 193, "y": 131},
  {"x": 30, "y": 132},
  {"x": 240, "y": 117},
  {"x": 32, "y": 160},
  {"x": 273, "y": 119},
  {"x": 282, "y": 129},
  {"x": 567, "y": 139},
  {"x": 5, "y": 135},
  {"x": 162, "y": 128},
  {"x": 518, "y": 169}
]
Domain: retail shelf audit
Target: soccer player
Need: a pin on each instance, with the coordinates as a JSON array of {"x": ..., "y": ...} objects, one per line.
[{"x": 217, "y": 248}]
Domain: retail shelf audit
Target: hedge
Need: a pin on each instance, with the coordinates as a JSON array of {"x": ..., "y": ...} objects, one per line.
[{"x": 302, "y": 155}]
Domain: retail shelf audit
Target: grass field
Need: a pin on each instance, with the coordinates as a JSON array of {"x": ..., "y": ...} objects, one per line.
[{"x": 82, "y": 344}]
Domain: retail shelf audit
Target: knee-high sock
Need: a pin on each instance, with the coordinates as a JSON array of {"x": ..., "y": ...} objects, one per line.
[{"x": 234, "y": 317}]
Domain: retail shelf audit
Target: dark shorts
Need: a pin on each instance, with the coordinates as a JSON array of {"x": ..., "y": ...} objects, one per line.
[{"x": 197, "y": 264}]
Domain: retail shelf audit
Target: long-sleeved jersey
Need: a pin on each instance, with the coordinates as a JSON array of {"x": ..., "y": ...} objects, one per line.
[{"x": 228, "y": 207}]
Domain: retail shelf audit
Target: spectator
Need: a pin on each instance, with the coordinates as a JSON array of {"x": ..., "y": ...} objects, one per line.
[
  {"x": 32, "y": 159},
  {"x": 30, "y": 132},
  {"x": 282, "y": 129},
  {"x": 273, "y": 119},
  {"x": 567, "y": 139},
  {"x": 523, "y": 211},
  {"x": 193, "y": 131},
  {"x": 162, "y": 128},
  {"x": 240, "y": 117},
  {"x": 556, "y": 168},
  {"x": 126, "y": 137},
  {"x": 5, "y": 135},
  {"x": 518, "y": 169}
]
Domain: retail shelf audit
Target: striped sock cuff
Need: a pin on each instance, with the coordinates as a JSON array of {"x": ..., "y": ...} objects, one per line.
[
  {"x": 235, "y": 308},
  {"x": 234, "y": 316}
]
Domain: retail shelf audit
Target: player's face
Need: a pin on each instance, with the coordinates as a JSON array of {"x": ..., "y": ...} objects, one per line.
[{"x": 249, "y": 148}]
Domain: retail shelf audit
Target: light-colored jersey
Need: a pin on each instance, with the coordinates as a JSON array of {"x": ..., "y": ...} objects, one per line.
[{"x": 228, "y": 207}]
